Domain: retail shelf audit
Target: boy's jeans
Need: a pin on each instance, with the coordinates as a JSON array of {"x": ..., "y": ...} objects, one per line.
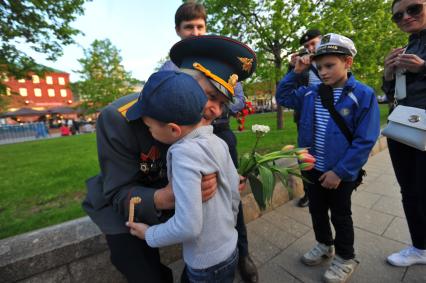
[{"x": 223, "y": 272}]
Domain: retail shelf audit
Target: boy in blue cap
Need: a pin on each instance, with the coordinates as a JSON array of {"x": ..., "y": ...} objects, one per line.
[
  {"x": 340, "y": 148},
  {"x": 190, "y": 20},
  {"x": 205, "y": 229},
  {"x": 133, "y": 163}
]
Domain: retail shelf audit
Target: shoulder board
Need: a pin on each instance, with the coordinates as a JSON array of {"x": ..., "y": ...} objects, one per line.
[{"x": 123, "y": 109}]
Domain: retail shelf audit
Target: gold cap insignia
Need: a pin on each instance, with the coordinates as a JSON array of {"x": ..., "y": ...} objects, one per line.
[
  {"x": 233, "y": 79},
  {"x": 246, "y": 63}
]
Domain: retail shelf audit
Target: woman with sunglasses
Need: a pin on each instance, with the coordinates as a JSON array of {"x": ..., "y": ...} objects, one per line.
[{"x": 405, "y": 70}]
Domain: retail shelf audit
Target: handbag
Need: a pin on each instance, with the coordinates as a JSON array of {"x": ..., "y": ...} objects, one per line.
[
  {"x": 327, "y": 101},
  {"x": 407, "y": 125}
]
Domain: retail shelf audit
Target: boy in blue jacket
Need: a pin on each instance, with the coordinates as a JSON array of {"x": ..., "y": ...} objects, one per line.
[{"x": 339, "y": 160}]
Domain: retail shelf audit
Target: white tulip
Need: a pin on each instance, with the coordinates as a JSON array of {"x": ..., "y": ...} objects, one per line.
[{"x": 260, "y": 129}]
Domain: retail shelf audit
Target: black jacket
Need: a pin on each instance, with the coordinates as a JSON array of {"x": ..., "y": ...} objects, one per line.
[{"x": 416, "y": 82}]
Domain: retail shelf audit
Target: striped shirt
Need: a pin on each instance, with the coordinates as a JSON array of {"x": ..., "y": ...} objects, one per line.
[{"x": 322, "y": 116}]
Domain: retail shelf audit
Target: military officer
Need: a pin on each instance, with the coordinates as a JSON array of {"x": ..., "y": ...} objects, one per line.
[{"x": 132, "y": 163}]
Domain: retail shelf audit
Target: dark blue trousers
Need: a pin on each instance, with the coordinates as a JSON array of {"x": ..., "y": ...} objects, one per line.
[{"x": 229, "y": 137}]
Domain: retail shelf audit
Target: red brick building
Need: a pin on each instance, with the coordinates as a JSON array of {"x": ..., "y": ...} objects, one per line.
[{"x": 40, "y": 92}]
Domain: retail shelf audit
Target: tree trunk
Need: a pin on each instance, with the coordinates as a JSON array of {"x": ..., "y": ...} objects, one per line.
[{"x": 280, "y": 117}]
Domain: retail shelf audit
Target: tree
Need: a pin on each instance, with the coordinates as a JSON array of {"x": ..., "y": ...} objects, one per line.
[
  {"x": 270, "y": 26},
  {"x": 368, "y": 23},
  {"x": 104, "y": 77},
  {"x": 273, "y": 28},
  {"x": 44, "y": 26}
]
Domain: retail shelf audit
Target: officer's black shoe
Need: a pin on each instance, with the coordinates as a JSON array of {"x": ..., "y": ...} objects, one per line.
[
  {"x": 304, "y": 201},
  {"x": 248, "y": 270}
]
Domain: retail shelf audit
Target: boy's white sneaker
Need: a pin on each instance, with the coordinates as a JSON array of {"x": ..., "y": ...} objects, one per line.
[
  {"x": 318, "y": 254},
  {"x": 408, "y": 257},
  {"x": 340, "y": 270}
]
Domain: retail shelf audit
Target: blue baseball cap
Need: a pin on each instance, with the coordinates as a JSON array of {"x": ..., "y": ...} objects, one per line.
[{"x": 170, "y": 97}]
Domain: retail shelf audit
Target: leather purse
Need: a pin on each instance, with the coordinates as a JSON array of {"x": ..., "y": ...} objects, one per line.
[{"x": 407, "y": 125}]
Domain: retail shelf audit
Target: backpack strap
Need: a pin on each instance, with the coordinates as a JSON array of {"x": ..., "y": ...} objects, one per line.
[{"x": 327, "y": 100}]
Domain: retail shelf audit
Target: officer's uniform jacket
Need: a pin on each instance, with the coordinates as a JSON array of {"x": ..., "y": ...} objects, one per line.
[{"x": 132, "y": 163}]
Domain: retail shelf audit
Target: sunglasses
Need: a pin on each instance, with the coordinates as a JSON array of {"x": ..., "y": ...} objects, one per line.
[{"x": 411, "y": 10}]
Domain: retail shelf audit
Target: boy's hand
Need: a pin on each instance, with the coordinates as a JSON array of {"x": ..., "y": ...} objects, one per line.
[
  {"x": 208, "y": 186},
  {"x": 137, "y": 229},
  {"x": 302, "y": 64},
  {"x": 330, "y": 180},
  {"x": 243, "y": 183}
]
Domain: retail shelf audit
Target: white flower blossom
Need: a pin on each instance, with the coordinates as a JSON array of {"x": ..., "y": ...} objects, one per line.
[{"x": 260, "y": 129}]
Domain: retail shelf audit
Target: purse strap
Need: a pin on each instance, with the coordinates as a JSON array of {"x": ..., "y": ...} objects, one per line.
[{"x": 327, "y": 100}]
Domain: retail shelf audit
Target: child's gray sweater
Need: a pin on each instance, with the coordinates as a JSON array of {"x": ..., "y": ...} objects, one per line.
[{"x": 207, "y": 230}]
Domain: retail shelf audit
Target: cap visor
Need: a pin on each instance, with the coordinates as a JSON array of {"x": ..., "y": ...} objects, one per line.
[
  {"x": 134, "y": 112},
  {"x": 222, "y": 90}
]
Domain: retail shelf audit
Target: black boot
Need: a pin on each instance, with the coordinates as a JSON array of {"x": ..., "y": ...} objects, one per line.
[
  {"x": 248, "y": 269},
  {"x": 304, "y": 201}
]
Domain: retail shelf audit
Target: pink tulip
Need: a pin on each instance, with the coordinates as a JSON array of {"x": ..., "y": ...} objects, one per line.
[
  {"x": 287, "y": 147},
  {"x": 302, "y": 151},
  {"x": 306, "y": 157}
]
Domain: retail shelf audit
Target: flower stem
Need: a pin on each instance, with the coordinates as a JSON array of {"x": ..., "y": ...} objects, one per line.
[{"x": 255, "y": 145}]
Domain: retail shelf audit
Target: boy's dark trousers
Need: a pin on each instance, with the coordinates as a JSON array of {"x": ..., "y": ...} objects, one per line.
[
  {"x": 338, "y": 201},
  {"x": 409, "y": 166}
]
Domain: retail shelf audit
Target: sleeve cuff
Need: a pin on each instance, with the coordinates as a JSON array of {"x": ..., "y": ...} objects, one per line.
[{"x": 149, "y": 237}]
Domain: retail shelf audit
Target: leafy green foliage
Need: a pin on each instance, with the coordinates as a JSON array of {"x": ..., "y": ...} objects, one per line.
[
  {"x": 41, "y": 25},
  {"x": 104, "y": 77},
  {"x": 273, "y": 29}
]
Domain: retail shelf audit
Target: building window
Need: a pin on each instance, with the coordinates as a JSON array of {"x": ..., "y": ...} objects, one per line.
[
  {"x": 49, "y": 80},
  {"x": 61, "y": 81},
  {"x": 21, "y": 80},
  {"x": 23, "y": 92},
  {"x": 63, "y": 92},
  {"x": 36, "y": 79},
  {"x": 37, "y": 92},
  {"x": 51, "y": 92}
]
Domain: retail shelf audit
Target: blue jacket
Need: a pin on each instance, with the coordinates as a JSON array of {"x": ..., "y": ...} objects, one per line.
[{"x": 357, "y": 105}]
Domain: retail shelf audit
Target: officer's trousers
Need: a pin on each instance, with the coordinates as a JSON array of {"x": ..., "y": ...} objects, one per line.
[
  {"x": 137, "y": 261},
  {"x": 229, "y": 137}
]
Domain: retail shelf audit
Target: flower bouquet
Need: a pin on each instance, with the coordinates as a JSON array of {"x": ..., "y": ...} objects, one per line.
[
  {"x": 241, "y": 116},
  {"x": 262, "y": 170}
]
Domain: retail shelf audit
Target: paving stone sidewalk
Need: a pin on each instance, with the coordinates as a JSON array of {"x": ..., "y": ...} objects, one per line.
[{"x": 279, "y": 238}]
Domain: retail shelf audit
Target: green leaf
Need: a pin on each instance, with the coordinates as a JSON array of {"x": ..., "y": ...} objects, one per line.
[
  {"x": 283, "y": 175},
  {"x": 256, "y": 188},
  {"x": 268, "y": 182}
]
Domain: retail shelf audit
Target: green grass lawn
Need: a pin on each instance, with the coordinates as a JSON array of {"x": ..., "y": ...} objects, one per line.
[{"x": 43, "y": 182}]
